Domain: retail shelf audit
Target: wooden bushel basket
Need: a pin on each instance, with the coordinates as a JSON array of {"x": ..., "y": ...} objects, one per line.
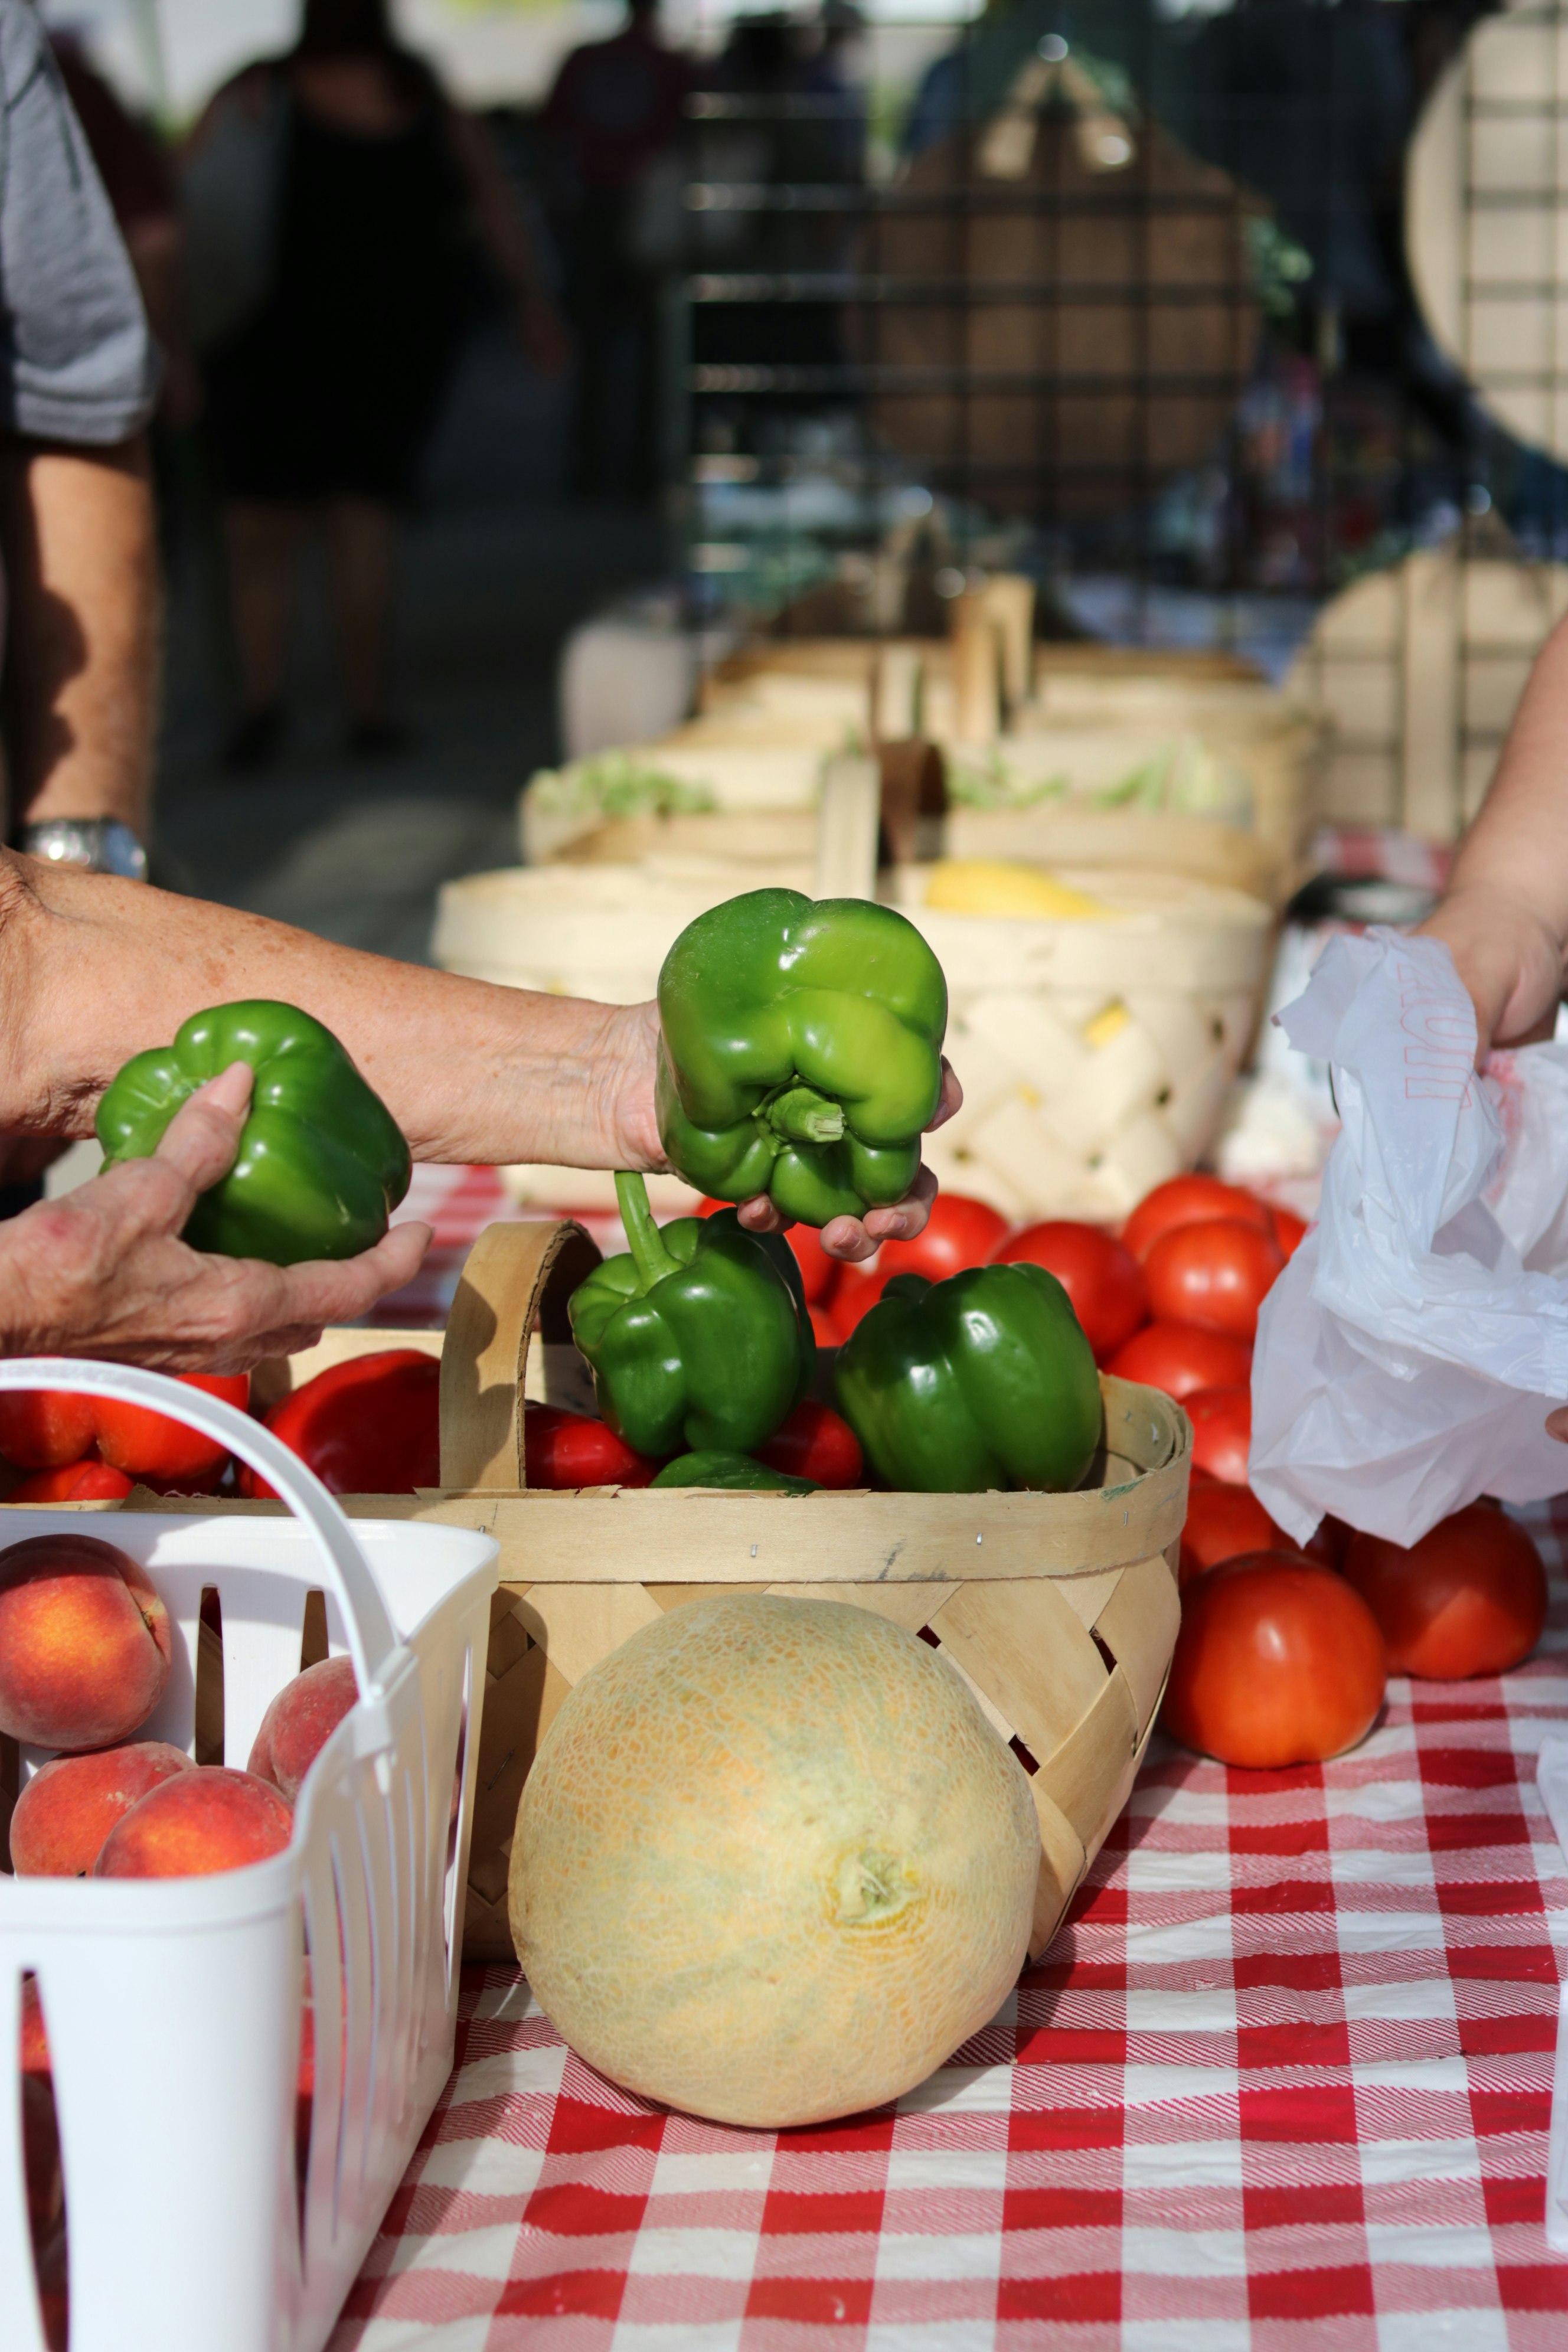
[
  {"x": 1078, "y": 324},
  {"x": 1060, "y": 1611}
]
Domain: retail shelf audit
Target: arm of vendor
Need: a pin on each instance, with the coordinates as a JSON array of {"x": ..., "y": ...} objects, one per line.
[
  {"x": 94, "y": 970},
  {"x": 1505, "y": 913}
]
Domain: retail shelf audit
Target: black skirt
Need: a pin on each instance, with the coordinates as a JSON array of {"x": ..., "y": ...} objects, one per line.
[{"x": 332, "y": 388}]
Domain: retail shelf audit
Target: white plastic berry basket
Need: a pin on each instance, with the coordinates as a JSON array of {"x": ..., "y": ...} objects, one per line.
[{"x": 173, "y": 2006}]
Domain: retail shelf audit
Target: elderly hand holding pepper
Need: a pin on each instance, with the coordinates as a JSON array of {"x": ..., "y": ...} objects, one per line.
[{"x": 94, "y": 971}]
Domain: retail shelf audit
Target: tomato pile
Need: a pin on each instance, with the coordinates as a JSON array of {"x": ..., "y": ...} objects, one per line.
[
  {"x": 1283, "y": 1655},
  {"x": 1174, "y": 1302}
]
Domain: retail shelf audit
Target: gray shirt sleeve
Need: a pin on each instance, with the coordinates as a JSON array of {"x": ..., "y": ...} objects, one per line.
[{"x": 78, "y": 363}]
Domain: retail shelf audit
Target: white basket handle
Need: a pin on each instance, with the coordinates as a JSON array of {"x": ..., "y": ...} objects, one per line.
[{"x": 372, "y": 1636}]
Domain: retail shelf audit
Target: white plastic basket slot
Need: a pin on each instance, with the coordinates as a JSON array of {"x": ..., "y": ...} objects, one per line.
[{"x": 173, "y": 2006}]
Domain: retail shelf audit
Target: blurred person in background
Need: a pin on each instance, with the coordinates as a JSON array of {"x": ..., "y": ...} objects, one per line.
[
  {"x": 322, "y": 399},
  {"x": 614, "y": 117},
  {"x": 139, "y": 181}
]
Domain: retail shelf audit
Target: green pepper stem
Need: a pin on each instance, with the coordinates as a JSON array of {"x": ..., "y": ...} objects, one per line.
[
  {"x": 650, "y": 1256},
  {"x": 801, "y": 1115}
]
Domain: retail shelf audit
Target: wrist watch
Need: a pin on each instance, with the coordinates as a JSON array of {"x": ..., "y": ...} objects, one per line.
[{"x": 103, "y": 845}]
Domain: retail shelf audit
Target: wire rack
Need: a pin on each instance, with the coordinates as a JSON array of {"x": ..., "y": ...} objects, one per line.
[{"x": 1083, "y": 293}]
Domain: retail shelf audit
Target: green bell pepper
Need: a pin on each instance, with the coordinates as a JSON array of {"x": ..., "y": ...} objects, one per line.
[
  {"x": 984, "y": 1380},
  {"x": 739, "y": 1470},
  {"x": 700, "y": 1338},
  {"x": 322, "y": 1161},
  {"x": 802, "y": 1052}
]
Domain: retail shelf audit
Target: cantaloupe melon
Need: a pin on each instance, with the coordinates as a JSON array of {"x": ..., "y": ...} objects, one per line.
[{"x": 771, "y": 1863}]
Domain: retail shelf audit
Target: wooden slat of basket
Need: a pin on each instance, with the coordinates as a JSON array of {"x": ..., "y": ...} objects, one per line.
[{"x": 1024, "y": 1646}]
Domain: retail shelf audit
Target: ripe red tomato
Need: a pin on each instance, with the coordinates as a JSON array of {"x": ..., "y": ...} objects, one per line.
[
  {"x": 1223, "y": 1523},
  {"x": 857, "y": 1291},
  {"x": 150, "y": 1446},
  {"x": 959, "y": 1233},
  {"x": 1327, "y": 1541},
  {"x": 1469, "y": 1599},
  {"x": 369, "y": 1426},
  {"x": 1215, "y": 1275},
  {"x": 1188, "y": 1201},
  {"x": 817, "y": 1270},
  {"x": 815, "y": 1443},
  {"x": 572, "y": 1449},
  {"x": 1222, "y": 1431},
  {"x": 1289, "y": 1230},
  {"x": 1179, "y": 1358},
  {"x": 89, "y": 1481},
  {"x": 1102, "y": 1278},
  {"x": 41, "y": 1429},
  {"x": 1278, "y": 1662}
]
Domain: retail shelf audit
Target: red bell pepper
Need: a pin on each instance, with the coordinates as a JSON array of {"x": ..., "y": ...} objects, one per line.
[
  {"x": 564, "y": 1450},
  {"x": 370, "y": 1426},
  {"x": 54, "y": 1429},
  {"x": 46, "y": 1429},
  {"x": 162, "y": 1451},
  {"x": 89, "y": 1481},
  {"x": 815, "y": 1443}
]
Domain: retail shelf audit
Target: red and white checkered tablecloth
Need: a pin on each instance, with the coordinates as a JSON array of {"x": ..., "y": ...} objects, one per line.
[
  {"x": 1283, "y": 2081},
  {"x": 459, "y": 1203}
]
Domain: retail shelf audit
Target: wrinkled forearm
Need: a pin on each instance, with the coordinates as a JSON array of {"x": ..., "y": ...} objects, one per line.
[{"x": 93, "y": 970}]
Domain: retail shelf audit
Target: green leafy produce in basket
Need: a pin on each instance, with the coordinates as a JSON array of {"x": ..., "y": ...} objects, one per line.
[
  {"x": 802, "y": 1052},
  {"x": 700, "y": 1337},
  {"x": 619, "y": 785},
  {"x": 322, "y": 1161},
  {"x": 984, "y": 1380}
]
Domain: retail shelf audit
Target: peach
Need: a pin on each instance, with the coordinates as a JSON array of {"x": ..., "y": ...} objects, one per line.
[
  {"x": 69, "y": 1807},
  {"x": 300, "y": 1722},
  {"x": 207, "y": 1820},
  {"x": 84, "y": 1643}
]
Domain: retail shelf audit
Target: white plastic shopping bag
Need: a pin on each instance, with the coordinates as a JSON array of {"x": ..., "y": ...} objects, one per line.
[{"x": 1410, "y": 1352}]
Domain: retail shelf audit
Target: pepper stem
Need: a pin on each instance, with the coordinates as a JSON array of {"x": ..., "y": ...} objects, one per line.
[
  {"x": 650, "y": 1256},
  {"x": 801, "y": 1115}
]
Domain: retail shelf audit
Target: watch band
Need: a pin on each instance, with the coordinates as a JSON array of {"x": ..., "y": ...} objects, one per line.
[{"x": 103, "y": 845}]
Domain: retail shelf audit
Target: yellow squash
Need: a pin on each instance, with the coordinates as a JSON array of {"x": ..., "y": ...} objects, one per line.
[{"x": 997, "y": 886}]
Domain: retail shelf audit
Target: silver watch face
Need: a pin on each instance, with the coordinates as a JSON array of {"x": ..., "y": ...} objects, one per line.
[{"x": 102, "y": 845}]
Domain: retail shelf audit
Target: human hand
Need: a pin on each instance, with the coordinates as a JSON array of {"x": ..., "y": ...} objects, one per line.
[
  {"x": 1509, "y": 958},
  {"x": 853, "y": 1238},
  {"x": 633, "y": 1059},
  {"x": 104, "y": 1272}
]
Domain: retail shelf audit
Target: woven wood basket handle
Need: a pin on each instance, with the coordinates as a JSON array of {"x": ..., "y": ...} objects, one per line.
[
  {"x": 847, "y": 826},
  {"x": 517, "y": 1281}
]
